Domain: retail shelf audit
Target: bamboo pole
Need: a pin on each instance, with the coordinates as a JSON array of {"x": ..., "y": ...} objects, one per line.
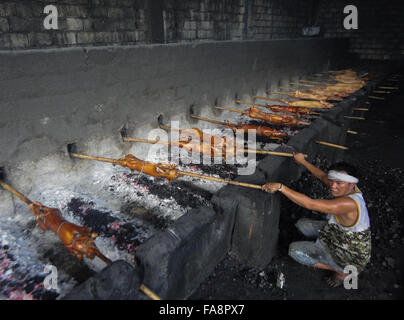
[
  {"x": 149, "y": 293},
  {"x": 376, "y": 98},
  {"x": 250, "y": 103},
  {"x": 209, "y": 120},
  {"x": 235, "y": 110},
  {"x": 243, "y": 184},
  {"x": 356, "y": 118},
  {"x": 229, "y": 109},
  {"x": 15, "y": 192},
  {"x": 284, "y": 154},
  {"x": 266, "y": 98},
  {"x": 332, "y": 145},
  {"x": 286, "y": 88},
  {"x": 162, "y": 126},
  {"x": 184, "y": 173},
  {"x": 389, "y": 88},
  {"x": 360, "y": 109},
  {"x": 28, "y": 202},
  {"x": 316, "y": 82},
  {"x": 352, "y": 132},
  {"x": 128, "y": 139},
  {"x": 269, "y": 106},
  {"x": 82, "y": 156},
  {"x": 302, "y": 84},
  {"x": 286, "y": 102},
  {"x": 380, "y": 91}
]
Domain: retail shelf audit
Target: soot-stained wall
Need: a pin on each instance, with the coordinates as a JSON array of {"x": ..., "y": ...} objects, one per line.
[
  {"x": 50, "y": 98},
  {"x": 130, "y": 22},
  {"x": 127, "y": 22}
]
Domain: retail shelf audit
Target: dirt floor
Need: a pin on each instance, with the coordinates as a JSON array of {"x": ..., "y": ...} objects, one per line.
[{"x": 378, "y": 152}]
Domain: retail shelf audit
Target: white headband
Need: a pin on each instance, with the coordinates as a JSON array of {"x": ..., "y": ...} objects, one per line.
[{"x": 336, "y": 175}]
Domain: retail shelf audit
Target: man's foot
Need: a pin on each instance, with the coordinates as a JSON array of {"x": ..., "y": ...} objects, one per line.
[{"x": 336, "y": 280}]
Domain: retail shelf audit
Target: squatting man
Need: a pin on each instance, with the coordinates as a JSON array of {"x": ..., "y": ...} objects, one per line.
[{"x": 345, "y": 240}]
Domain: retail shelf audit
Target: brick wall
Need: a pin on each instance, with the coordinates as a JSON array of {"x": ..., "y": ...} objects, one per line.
[
  {"x": 81, "y": 22},
  {"x": 128, "y": 22},
  {"x": 380, "y": 33}
]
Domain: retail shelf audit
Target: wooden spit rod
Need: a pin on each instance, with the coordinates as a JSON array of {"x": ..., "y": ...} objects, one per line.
[
  {"x": 235, "y": 110},
  {"x": 283, "y": 101},
  {"x": 243, "y": 184},
  {"x": 15, "y": 192},
  {"x": 6, "y": 186},
  {"x": 389, "y": 88},
  {"x": 269, "y": 107},
  {"x": 332, "y": 145},
  {"x": 376, "y": 98},
  {"x": 284, "y": 154},
  {"x": 356, "y": 118}
]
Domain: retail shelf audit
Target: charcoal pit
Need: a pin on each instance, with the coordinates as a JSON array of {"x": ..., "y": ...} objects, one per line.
[{"x": 170, "y": 235}]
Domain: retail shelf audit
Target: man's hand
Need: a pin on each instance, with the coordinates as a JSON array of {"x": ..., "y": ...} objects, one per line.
[
  {"x": 271, "y": 187},
  {"x": 299, "y": 158}
]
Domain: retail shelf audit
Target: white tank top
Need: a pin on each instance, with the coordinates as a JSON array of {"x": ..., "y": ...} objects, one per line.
[{"x": 363, "y": 222}]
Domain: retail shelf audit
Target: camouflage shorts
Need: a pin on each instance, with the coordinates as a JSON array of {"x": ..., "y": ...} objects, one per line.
[
  {"x": 310, "y": 253},
  {"x": 347, "y": 247}
]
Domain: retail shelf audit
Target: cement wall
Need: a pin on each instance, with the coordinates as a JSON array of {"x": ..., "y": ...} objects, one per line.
[{"x": 50, "y": 98}]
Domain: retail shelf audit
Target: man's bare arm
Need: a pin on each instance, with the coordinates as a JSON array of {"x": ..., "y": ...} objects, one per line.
[
  {"x": 335, "y": 206},
  {"x": 318, "y": 173}
]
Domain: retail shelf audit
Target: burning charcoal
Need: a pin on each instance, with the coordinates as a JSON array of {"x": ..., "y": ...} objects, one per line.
[
  {"x": 127, "y": 236},
  {"x": 176, "y": 190}
]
